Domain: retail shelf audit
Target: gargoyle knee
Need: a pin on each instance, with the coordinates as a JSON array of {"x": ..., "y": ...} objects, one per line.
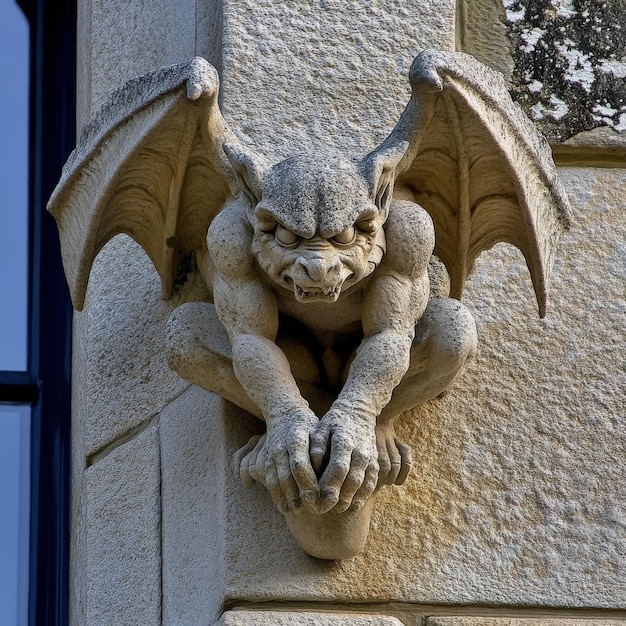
[
  {"x": 192, "y": 331},
  {"x": 178, "y": 336},
  {"x": 449, "y": 332}
]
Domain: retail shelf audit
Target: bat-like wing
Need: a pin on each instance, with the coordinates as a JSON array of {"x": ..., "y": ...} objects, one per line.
[
  {"x": 150, "y": 165},
  {"x": 478, "y": 165}
]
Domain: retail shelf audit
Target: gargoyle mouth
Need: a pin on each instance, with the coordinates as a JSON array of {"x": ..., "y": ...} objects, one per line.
[{"x": 312, "y": 293}]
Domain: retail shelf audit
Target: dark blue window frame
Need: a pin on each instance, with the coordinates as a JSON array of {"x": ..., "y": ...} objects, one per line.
[{"x": 46, "y": 383}]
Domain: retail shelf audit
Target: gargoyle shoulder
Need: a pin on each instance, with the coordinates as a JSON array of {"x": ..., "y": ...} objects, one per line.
[
  {"x": 410, "y": 237},
  {"x": 229, "y": 240}
]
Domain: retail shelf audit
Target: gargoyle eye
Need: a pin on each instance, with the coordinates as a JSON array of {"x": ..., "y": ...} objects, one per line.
[
  {"x": 285, "y": 237},
  {"x": 345, "y": 237}
]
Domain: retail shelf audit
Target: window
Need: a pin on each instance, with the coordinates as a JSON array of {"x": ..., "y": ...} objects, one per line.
[
  {"x": 14, "y": 503},
  {"x": 36, "y": 320},
  {"x": 14, "y": 418},
  {"x": 14, "y": 185}
]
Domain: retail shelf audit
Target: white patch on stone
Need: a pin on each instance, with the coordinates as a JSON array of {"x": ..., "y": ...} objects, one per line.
[
  {"x": 604, "y": 111},
  {"x": 560, "y": 109},
  {"x": 531, "y": 37},
  {"x": 617, "y": 68},
  {"x": 513, "y": 16},
  {"x": 535, "y": 87},
  {"x": 606, "y": 115},
  {"x": 620, "y": 127},
  {"x": 580, "y": 69},
  {"x": 606, "y": 121},
  {"x": 539, "y": 110},
  {"x": 564, "y": 8}
]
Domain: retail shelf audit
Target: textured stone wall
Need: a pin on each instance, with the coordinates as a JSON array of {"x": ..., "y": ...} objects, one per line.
[
  {"x": 515, "y": 508},
  {"x": 324, "y": 71}
]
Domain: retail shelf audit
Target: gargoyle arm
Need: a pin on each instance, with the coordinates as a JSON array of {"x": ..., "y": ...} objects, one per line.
[
  {"x": 249, "y": 311},
  {"x": 396, "y": 299},
  {"x": 394, "y": 303}
]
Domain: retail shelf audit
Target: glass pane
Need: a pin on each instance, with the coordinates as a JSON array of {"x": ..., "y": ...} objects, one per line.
[
  {"x": 14, "y": 521},
  {"x": 14, "y": 185}
]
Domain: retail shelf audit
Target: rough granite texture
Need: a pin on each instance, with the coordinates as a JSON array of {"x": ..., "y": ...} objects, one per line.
[
  {"x": 302, "y": 70},
  {"x": 303, "y": 618},
  {"x": 123, "y": 535},
  {"x": 566, "y": 59}
]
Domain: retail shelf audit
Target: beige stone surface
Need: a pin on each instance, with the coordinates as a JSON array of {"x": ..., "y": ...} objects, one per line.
[
  {"x": 208, "y": 41},
  {"x": 123, "y": 535},
  {"x": 127, "y": 377},
  {"x": 463, "y": 620},
  {"x": 303, "y": 618},
  {"x": 193, "y": 523},
  {"x": 600, "y": 146},
  {"x": 481, "y": 32},
  {"x": 301, "y": 72},
  {"x": 120, "y": 40},
  {"x": 80, "y": 404}
]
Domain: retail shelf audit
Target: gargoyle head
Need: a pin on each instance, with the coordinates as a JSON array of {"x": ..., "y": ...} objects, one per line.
[{"x": 318, "y": 218}]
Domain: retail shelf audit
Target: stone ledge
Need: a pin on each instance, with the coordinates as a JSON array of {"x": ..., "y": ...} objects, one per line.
[
  {"x": 298, "y": 618},
  {"x": 513, "y": 621}
]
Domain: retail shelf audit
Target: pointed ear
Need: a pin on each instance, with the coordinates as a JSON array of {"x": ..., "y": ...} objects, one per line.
[
  {"x": 378, "y": 168},
  {"x": 250, "y": 170}
]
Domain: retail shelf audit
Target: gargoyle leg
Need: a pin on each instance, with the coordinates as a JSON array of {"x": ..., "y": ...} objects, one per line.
[
  {"x": 445, "y": 339},
  {"x": 198, "y": 349}
]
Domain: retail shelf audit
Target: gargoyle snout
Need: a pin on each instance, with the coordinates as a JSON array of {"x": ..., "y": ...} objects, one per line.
[{"x": 319, "y": 269}]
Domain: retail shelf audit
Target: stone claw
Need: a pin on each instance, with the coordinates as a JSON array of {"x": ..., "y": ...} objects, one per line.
[{"x": 394, "y": 456}]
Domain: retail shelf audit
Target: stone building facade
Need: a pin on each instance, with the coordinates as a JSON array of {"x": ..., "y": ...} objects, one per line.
[{"x": 514, "y": 512}]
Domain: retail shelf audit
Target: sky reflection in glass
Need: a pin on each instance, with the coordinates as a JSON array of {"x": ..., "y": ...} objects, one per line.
[
  {"x": 14, "y": 187},
  {"x": 14, "y": 517}
]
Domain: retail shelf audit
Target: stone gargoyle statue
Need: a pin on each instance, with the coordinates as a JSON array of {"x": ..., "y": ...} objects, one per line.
[{"x": 322, "y": 321}]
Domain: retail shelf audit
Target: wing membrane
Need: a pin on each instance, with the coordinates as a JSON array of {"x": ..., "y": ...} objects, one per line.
[
  {"x": 479, "y": 167},
  {"x": 150, "y": 166}
]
